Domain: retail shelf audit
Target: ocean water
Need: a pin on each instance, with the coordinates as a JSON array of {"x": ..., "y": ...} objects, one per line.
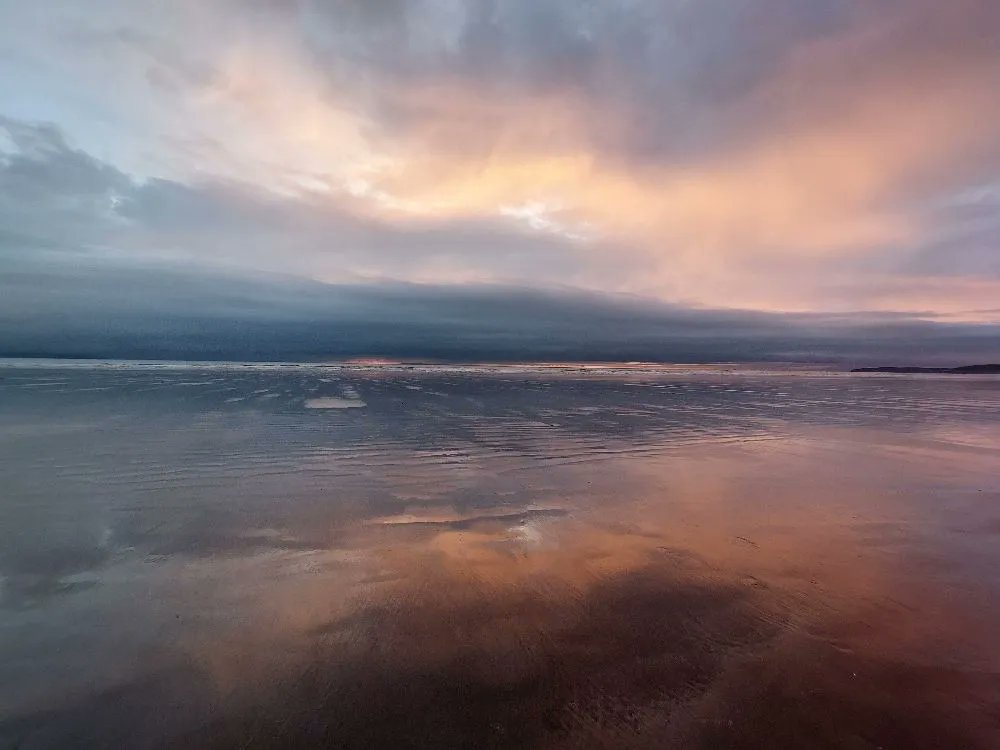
[{"x": 236, "y": 555}]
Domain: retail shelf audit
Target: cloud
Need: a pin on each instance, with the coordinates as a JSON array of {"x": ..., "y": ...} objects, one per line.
[
  {"x": 775, "y": 155},
  {"x": 56, "y": 197},
  {"x": 113, "y": 308},
  {"x": 833, "y": 153},
  {"x": 50, "y": 190}
]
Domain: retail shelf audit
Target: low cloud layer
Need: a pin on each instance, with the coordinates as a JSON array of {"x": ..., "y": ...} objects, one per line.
[{"x": 97, "y": 309}]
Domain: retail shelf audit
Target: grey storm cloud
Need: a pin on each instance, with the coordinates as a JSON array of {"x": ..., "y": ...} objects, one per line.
[
  {"x": 100, "y": 308},
  {"x": 667, "y": 81},
  {"x": 666, "y": 68},
  {"x": 53, "y": 195},
  {"x": 50, "y": 191}
]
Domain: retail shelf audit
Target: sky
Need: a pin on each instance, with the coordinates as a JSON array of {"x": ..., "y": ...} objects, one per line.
[{"x": 523, "y": 178}]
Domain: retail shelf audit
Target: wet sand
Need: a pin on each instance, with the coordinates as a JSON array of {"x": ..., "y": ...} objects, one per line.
[{"x": 194, "y": 557}]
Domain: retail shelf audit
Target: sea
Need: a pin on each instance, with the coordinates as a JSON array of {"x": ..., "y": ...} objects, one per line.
[{"x": 246, "y": 555}]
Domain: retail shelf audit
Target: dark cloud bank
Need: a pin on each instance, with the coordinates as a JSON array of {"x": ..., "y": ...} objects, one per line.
[{"x": 100, "y": 309}]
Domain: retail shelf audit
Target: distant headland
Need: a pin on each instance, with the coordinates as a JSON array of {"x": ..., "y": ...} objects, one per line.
[{"x": 964, "y": 370}]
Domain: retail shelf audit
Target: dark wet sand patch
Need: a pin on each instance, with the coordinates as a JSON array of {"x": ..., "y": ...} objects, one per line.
[{"x": 642, "y": 659}]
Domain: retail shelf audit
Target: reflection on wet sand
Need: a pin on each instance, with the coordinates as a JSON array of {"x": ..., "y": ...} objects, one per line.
[
  {"x": 808, "y": 583},
  {"x": 642, "y": 629}
]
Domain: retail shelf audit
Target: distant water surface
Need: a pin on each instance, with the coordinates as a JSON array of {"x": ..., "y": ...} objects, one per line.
[{"x": 237, "y": 555}]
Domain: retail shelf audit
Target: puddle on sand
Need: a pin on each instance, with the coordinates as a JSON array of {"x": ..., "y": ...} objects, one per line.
[{"x": 333, "y": 402}]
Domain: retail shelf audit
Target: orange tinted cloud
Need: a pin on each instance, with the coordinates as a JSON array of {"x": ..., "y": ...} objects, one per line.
[
  {"x": 850, "y": 153},
  {"x": 775, "y": 154}
]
